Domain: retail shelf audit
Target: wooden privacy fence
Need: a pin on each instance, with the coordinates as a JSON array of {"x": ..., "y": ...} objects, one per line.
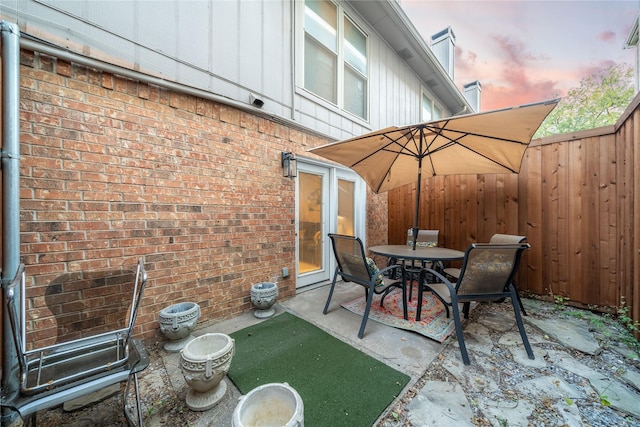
[{"x": 576, "y": 199}]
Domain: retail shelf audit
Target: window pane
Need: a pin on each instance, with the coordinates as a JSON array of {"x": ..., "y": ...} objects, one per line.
[
  {"x": 355, "y": 93},
  {"x": 346, "y": 207},
  {"x": 355, "y": 47},
  {"x": 320, "y": 21},
  {"x": 426, "y": 109},
  {"x": 310, "y": 214},
  {"x": 319, "y": 70},
  {"x": 437, "y": 113}
]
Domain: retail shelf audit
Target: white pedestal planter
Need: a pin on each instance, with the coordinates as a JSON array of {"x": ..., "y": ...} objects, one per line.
[
  {"x": 269, "y": 405},
  {"x": 204, "y": 362},
  {"x": 177, "y": 322},
  {"x": 263, "y": 296}
]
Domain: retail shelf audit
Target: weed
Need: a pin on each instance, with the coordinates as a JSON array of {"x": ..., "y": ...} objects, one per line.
[
  {"x": 578, "y": 314},
  {"x": 629, "y": 324},
  {"x": 560, "y": 301}
]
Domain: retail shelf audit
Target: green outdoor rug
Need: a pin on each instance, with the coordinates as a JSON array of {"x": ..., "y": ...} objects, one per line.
[{"x": 339, "y": 385}]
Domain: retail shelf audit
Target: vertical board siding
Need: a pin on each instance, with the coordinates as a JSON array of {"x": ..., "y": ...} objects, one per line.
[{"x": 575, "y": 199}]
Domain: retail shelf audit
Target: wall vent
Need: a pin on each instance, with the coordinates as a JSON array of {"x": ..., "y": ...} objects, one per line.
[{"x": 405, "y": 54}]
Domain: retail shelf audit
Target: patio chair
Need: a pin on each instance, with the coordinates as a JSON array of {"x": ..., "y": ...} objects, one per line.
[
  {"x": 52, "y": 375},
  {"x": 454, "y": 273},
  {"x": 427, "y": 238},
  {"x": 354, "y": 266},
  {"x": 487, "y": 274}
]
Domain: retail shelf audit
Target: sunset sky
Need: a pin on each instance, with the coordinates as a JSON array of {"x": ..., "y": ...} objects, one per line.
[{"x": 528, "y": 51}]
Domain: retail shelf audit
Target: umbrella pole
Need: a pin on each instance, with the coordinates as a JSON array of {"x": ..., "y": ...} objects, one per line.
[{"x": 417, "y": 209}]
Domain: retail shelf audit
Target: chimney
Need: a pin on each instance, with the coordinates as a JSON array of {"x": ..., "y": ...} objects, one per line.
[
  {"x": 472, "y": 92},
  {"x": 443, "y": 45}
]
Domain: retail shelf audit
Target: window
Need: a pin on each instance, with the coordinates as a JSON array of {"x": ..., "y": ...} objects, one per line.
[
  {"x": 335, "y": 57},
  {"x": 427, "y": 108},
  {"x": 430, "y": 111},
  {"x": 437, "y": 112}
]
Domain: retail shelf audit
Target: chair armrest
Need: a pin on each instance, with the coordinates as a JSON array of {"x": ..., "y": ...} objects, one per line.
[
  {"x": 423, "y": 278},
  {"x": 391, "y": 267},
  {"x": 381, "y": 272}
]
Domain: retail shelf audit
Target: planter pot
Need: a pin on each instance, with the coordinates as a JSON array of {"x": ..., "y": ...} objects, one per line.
[
  {"x": 177, "y": 322},
  {"x": 270, "y": 405},
  {"x": 204, "y": 362},
  {"x": 263, "y": 297}
]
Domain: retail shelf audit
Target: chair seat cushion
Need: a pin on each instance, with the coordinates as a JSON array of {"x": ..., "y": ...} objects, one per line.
[
  {"x": 442, "y": 290},
  {"x": 453, "y": 272}
]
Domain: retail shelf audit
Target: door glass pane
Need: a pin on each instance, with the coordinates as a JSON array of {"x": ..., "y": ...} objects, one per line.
[
  {"x": 310, "y": 216},
  {"x": 346, "y": 207}
]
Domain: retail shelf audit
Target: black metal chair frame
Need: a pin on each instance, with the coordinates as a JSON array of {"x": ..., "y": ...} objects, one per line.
[
  {"x": 361, "y": 275},
  {"x": 497, "y": 238},
  {"x": 62, "y": 372},
  {"x": 508, "y": 290}
]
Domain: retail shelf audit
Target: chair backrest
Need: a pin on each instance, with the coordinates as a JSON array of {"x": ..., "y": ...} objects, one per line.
[
  {"x": 351, "y": 258},
  {"x": 507, "y": 238},
  {"x": 488, "y": 268},
  {"x": 427, "y": 238}
]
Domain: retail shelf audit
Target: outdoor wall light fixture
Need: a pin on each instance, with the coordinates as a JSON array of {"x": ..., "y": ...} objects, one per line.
[
  {"x": 289, "y": 168},
  {"x": 255, "y": 101}
]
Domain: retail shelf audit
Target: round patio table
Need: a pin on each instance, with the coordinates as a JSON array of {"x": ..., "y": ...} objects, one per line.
[{"x": 420, "y": 253}]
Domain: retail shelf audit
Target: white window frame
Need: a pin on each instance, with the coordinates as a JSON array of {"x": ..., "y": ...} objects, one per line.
[
  {"x": 341, "y": 64},
  {"x": 435, "y": 107}
]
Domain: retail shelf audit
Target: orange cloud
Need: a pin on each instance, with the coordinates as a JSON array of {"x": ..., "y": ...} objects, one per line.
[{"x": 510, "y": 79}]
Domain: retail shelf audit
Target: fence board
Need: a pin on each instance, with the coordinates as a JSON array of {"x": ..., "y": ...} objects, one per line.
[
  {"x": 562, "y": 243},
  {"x": 549, "y": 182},
  {"x": 575, "y": 192}
]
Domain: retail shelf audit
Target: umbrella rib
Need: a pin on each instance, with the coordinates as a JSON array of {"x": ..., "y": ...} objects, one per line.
[
  {"x": 409, "y": 136},
  {"x": 457, "y": 141}
]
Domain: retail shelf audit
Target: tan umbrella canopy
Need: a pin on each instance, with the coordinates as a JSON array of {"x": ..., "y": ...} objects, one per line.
[{"x": 487, "y": 142}]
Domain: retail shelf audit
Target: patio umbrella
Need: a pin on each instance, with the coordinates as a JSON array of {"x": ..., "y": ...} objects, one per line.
[{"x": 486, "y": 142}]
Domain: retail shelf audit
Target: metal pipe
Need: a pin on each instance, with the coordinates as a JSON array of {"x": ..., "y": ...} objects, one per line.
[{"x": 10, "y": 200}]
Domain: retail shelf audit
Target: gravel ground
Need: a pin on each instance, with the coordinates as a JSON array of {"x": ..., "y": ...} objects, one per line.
[{"x": 503, "y": 371}]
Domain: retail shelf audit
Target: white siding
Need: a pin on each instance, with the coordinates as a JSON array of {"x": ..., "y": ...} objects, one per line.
[{"x": 230, "y": 48}]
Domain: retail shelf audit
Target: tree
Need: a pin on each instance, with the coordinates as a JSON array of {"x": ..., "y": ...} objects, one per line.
[{"x": 599, "y": 101}]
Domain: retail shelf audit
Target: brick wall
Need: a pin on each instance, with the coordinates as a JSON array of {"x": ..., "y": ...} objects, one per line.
[
  {"x": 114, "y": 169},
  {"x": 377, "y": 223}
]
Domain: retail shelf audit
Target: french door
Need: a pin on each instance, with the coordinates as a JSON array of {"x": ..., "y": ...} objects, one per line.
[{"x": 328, "y": 200}]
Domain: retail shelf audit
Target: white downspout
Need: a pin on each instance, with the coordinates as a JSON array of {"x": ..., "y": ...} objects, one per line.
[{"x": 10, "y": 201}]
